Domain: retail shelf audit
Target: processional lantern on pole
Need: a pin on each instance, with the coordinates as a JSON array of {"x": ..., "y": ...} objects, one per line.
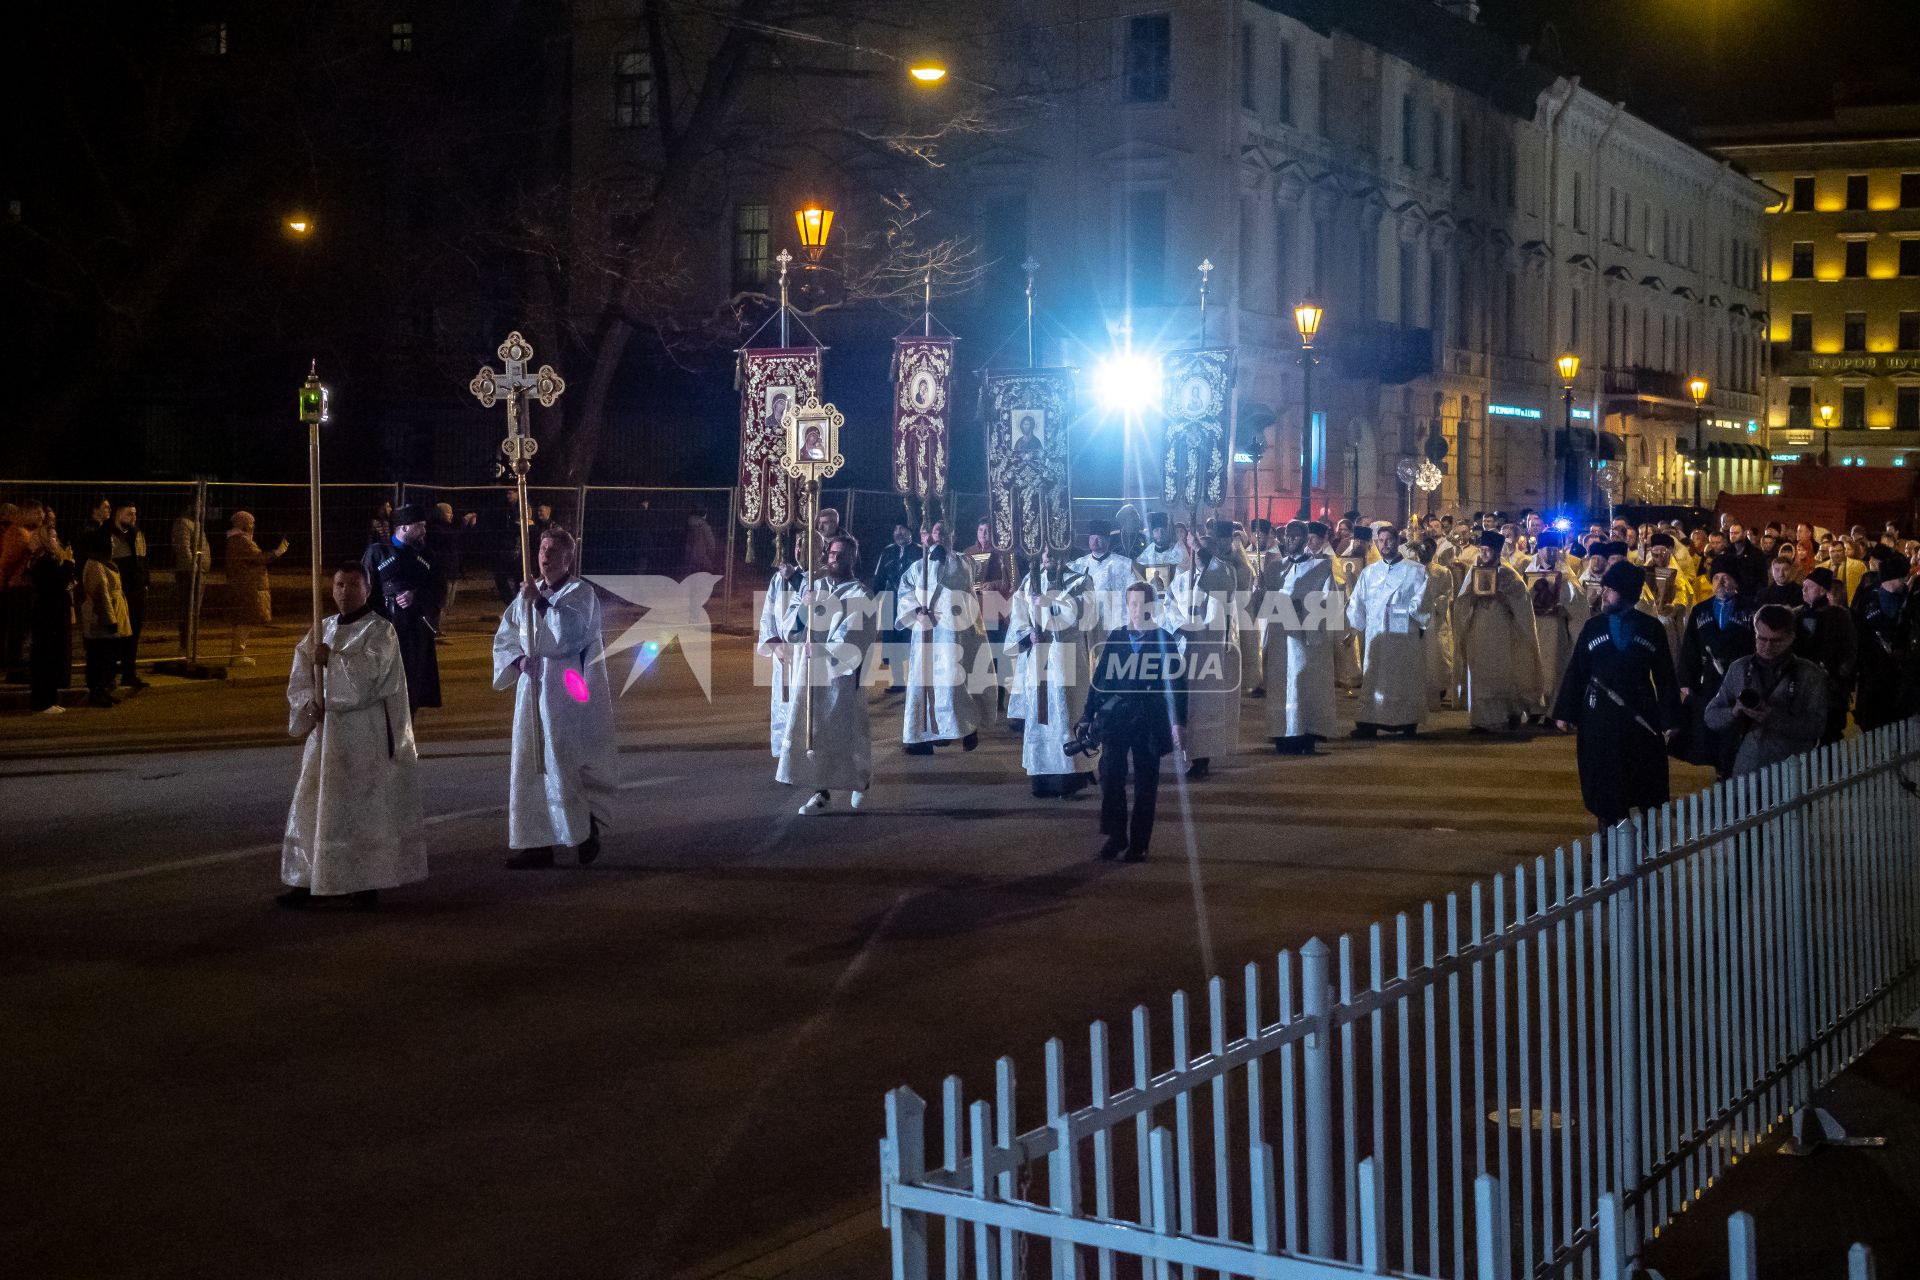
[
  {"x": 812, "y": 455},
  {"x": 519, "y": 446},
  {"x": 316, "y": 410}
]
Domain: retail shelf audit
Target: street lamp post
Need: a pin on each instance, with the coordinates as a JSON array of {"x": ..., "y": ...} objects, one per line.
[
  {"x": 1569, "y": 369},
  {"x": 1826, "y": 435},
  {"x": 1698, "y": 390},
  {"x": 1306, "y": 318}
]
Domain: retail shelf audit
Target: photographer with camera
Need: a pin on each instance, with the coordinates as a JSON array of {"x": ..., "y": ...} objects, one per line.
[
  {"x": 1774, "y": 703},
  {"x": 1136, "y": 714}
]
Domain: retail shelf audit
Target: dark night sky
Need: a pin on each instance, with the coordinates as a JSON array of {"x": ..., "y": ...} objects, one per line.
[{"x": 1683, "y": 62}]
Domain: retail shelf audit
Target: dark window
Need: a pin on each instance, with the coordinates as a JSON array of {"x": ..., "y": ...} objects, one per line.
[
  {"x": 1249, "y": 51},
  {"x": 1803, "y": 195},
  {"x": 1853, "y": 408},
  {"x": 1148, "y": 70},
  {"x": 1146, "y": 245},
  {"x": 1800, "y": 332},
  {"x": 1283, "y": 283},
  {"x": 210, "y": 39},
  {"x": 1856, "y": 259},
  {"x": 1856, "y": 191},
  {"x": 1854, "y": 335},
  {"x": 1910, "y": 257},
  {"x": 1802, "y": 260},
  {"x": 1910, "y": 330},
  {"x": 1285, "y": 87},
  {"x": 1800, "y": 406},
  {"x": 1466, "y": 155},
  {"x": 1323, "y": 91},
  {"x": 1438, "y": 158},
  {"x": 1906, "y": 408},
  {"x": 400, "y": 37},
  {"x": 1409, "y": 142},
  {"x": 752, "y": 257},
  {"x": 1910, "y": 191},
  {"x": 632, "y": 89}
]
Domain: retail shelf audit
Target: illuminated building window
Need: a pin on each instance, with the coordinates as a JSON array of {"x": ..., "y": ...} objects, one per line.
[
  {"x": 1910, "y": 257},
  {"x": 1906, "y": 408},
  {"x": 1856, "y": 191},
  {"x": 1803, "y": 194},
  {"x": 1910, "y": 191},
  {"x": 1854, "y": 335},
  {"x": 1853, "y": 408},
  {"x": 400, "y": 37},
  {"x": 1800, "y": 331},
  {"x": 1856, "y": 260},
  {"x": 1803, "y": 260},
  {"x": 210, "y": 40}
]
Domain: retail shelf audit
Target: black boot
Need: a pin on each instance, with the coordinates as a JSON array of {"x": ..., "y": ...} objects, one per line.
[
  {"x": 1113, "y": 848},
  {"x": 590, "y": 847},
  {"x": 918, "y": 748},
  {"x": 531, "y": 859},
  {"x": 1366, "y": 730},
  {"x": 365, "y": 900},
  {"x": 295, "y": 899},
  {"x": 971, "y": 741}
]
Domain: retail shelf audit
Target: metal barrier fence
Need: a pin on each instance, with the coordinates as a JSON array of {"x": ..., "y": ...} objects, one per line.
[{"x": 1628, "y": 1017}]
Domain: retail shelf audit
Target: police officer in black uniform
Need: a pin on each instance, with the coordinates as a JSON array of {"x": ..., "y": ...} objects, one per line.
[
  {"x": 1620, "y": 692},
  {"x": 405, "y": 590}
]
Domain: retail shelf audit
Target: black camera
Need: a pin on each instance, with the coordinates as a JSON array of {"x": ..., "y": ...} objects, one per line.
[
  {"x": 1085, "y": 738},
  {"x": 1749, "y": 698}
]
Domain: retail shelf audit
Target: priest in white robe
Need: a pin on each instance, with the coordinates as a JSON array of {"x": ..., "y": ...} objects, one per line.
[
  {"x": 770, "y": 644},
  {"x": 935, "y": 607},
  {"x": 564, "y": 769},
  {"x": 1047, "y": 629},
  {"x": 1201, "y": 610},
  {"x": 1306, "y": 629},
  {"x": 827, "y": 751},
  {"x": 354, "y": 827},
  {"x": 1391, "y": 607},
  {"x": 1559, "y": 611},
  {"x": 1162, "y": 557},
  {"x": 1109, "y": 574},
  {"x": 1494, "y": 637}
]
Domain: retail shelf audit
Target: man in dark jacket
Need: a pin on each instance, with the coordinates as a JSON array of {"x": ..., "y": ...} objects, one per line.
[
  {"x": 1745, "y": 562},
  {"x": 893, "y": 562},
  {"x": 405, "y": 590},
  {"x": 1619, "y": 691},
  {"x": 1772, "y": 704},
  {"x": 1138, "y": 709},
  {"x": 1889, "y": 640},
  {"x": 1718, "y": 631},
  {"x": 1826, "y": 638}
]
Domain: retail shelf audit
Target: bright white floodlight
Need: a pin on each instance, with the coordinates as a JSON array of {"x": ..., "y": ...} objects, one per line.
[{"x": 1128, "y": 382}]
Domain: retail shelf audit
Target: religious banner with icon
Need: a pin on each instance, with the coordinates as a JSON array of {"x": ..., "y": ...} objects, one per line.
[
  {"x": 922, "y": 373},
  {"x": 811, "y": 435},
  {"x": 1486, "y": 582},
  {"x": 1029, "y": 475},
  {"x": 1662, "y": 585},
  {"x": 773, "y": 381},
  {"x": 1195, "y": 385}
]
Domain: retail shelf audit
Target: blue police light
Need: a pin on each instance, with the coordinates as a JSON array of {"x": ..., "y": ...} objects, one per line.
[{"x": 1563, "y": 524}]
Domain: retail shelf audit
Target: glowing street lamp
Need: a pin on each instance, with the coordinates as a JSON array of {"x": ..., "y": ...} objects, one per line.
[
  {"x": 815, "y": 224},
  {"x": 1698, "y": 390},
  {"x": 927, "y": 71},
  {"x": 1576, "y": 486},
  {"x": 1826, "y": 434},
  {"x": 1306, "y": 318},
  {"x": 299, "y": 225}
]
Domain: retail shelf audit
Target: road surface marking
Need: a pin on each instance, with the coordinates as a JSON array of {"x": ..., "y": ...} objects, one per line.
[{"x": 254, "y": 851}]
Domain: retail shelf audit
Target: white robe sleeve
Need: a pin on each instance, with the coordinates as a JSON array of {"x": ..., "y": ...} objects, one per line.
[
  {"x": 508, "y": 646},
  {"x": 300, "y": 721}
]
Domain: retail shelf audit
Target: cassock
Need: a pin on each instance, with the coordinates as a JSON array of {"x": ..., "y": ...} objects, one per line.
[
  {"x": 1050, "y": 626},
  {"x": 552, "y": 724},
  {"x": 1300, "y": 697},
  {"x": 941, "y": 650},
  {"x": 1493, "y": 635},
  {"x": 355, "y": 822},
  {"x": 1108, "y": 578},
  {"x": 773, "y": 612},
  {"x": 1889, "y": 656},
  {"x": 1200, "y": 612},
  {"x": 393, "y": 569},
  {"x": 1718, "y": 631},
  {"x": 1390, "y": 607},
  {"x": 837, "y": 632},
  {"x": 1559, "y": 611},
  {"x": 1619, "y": 691}
]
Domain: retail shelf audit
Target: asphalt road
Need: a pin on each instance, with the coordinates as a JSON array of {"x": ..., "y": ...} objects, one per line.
[{"x": 673, "y": 1057}]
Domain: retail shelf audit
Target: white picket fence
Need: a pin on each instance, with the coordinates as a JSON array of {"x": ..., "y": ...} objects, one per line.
[{"x": 1624, "y": 1019}]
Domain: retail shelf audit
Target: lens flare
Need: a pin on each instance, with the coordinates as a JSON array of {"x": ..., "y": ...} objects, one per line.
[{"x": 576, "y": 686}]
